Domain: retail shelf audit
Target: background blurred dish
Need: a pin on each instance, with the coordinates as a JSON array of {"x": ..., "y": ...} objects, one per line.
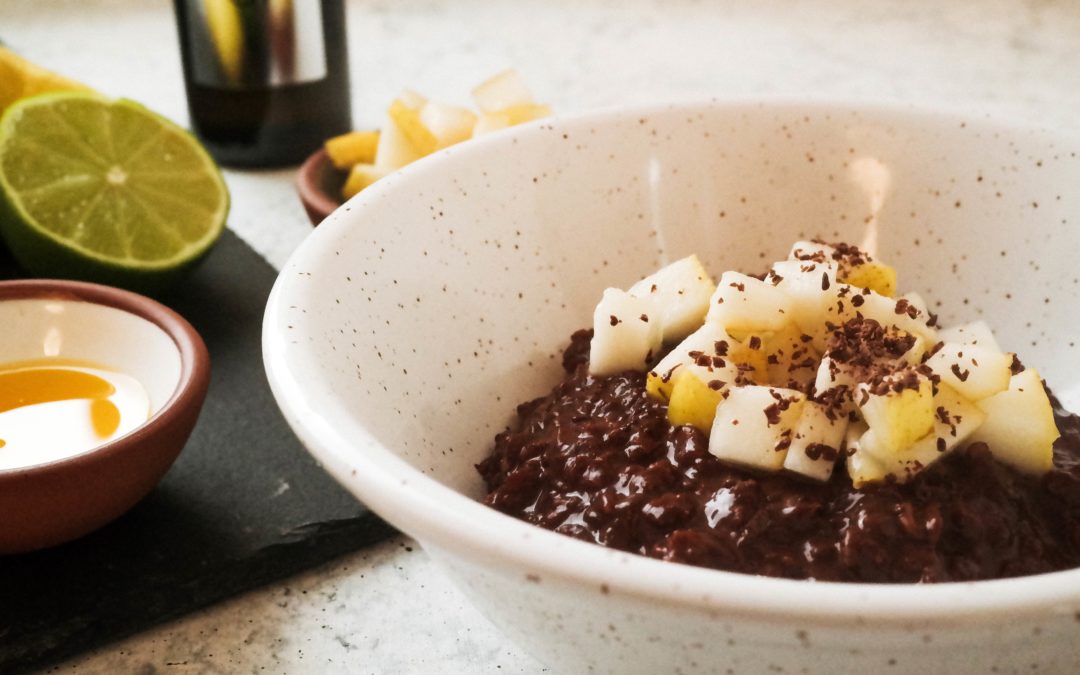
[
  {"x": 402, "y": 332},
  {"x": 319, "y": 185}
]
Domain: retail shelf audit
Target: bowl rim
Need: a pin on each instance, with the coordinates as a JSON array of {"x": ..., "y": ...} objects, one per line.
[
  {"x": 194, "y": 361},
  {"x": 409, "y": 499}
]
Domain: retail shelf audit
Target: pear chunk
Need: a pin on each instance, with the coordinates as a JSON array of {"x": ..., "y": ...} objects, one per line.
[
  {"x": 504, "y": 90},
  {"x": 862, "y": 467},
  {"x": 448, "y": 124},
  {"x": 355, "y": 147},
  {"x": 900, "y": 313},
  {"x": 693, "y": 402},
  {"x": 755, "y": 425},
  {"x": 742, "y": 303},
  {"x": 787, "y": 358},
  {"x": 682, "y": 291},
  {"x": 955, "y": 420},
  {"x": 871, "y": 274},
  {"x": 707, "y": 353},
  {"x": 394, "y": 149},
  {"x": 360, "y": 177},
  {"x": 975, "y": 372},
  {"x": 811, "y": 290},
  {"x": 1019, "y": 426},
  {"x": 900, "y": 415},
  {"x": 626, "y": 334},
  {"x": 508, "y": 117},
  {"x": 976, "y": 333},
  {"x": 816, "y": 442},
  {"x": 405, "y": 112}
]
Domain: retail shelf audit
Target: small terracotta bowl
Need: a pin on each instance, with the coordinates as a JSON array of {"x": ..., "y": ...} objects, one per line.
[
  {"x": 56, "y": 501},
  {"x": 319, "y": 185}
]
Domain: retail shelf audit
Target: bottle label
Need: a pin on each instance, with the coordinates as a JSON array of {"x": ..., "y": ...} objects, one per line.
[{"x": 245, "y": 44}]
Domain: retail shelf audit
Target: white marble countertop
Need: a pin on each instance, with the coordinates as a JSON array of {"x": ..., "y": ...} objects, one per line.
[{"x": 387, "y": 610}]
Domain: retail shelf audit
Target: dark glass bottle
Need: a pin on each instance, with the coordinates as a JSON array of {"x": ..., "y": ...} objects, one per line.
[{"x": 267, "y": 80}]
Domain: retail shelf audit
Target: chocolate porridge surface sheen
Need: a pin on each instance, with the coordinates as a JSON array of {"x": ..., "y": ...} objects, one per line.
[{"x": 597, "y": 459}]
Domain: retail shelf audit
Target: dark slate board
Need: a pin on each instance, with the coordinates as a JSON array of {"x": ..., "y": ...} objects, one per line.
[{"x": 220, "y": 522}]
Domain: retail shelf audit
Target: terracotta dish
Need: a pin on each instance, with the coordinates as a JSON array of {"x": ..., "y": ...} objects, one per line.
[
  {"x": 319, "y": 185},
  {"x": 53, "y": 502}
]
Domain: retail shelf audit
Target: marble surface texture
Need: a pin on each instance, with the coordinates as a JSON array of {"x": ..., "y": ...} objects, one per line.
[{"x": 387, "y": 610}]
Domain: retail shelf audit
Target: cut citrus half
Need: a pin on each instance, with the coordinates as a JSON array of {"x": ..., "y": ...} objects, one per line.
[{"x": 105, "y": 191}]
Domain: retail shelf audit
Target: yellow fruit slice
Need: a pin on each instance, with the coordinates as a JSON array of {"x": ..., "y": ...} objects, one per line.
[
  {"x": 355, "y": 147},
  {"x": 361, "y": 176},
  {"x": 743, "y": 354},
  {"x": 20, "y": 78},
  {"x": 1020, "y": 427},
  {"x": 693, "y": 402},
  {"x": 898, "y": 419},
  {"x": 876, "y": 276},
  {"x": 657, "y": 387},
  {"x": 449, "y": 124},
  {"x": 407, "y": 119},
  {"x": 502, "y": 91},
  {"x": 508, "y": 117}
]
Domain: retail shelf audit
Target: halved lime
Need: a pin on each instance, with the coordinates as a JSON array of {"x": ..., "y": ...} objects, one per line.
[{"x": 105, "y": 191}]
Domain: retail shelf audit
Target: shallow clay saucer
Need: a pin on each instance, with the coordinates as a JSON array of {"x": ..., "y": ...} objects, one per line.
[{"x": 53, "y": 502}]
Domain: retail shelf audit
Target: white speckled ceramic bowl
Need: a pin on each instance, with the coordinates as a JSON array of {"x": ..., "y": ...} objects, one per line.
[{"x": 404, "y": 331}]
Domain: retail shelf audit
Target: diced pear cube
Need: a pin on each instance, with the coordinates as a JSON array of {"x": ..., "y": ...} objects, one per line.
[
  {"x": 745, "y": 304},
  {"x": 754, "y": 426},
  {"x": 811, "y": 250},
  {"x": 693, "y": 402},
  {"x": 360, "y": 177},
  {"x": 975, "y": 372},
  {"x": 407, "y": 119},
  {"x": 412, "y": 99},
  {"x": 355, "y": 147},
  {"x": 811, "y": 289},
  {"x": 956, "y": 417},
  {"x": 509, "y": 117},
  {"x": 1020, "y": 427},
  {"x": 626, "y": 335},
  {"x": 862, "y": 467},
  {"x": 891, "y": 312},
  {"x": 816, "y": 443},
  {"x": 904, "y": 465},
  {"x": 955, "y": 420},
  {"x": 914, "y": 355},
  {"x": 831, "y": 375},
  {"x": 898, "y": 418},
  {"x": 751, "y": 360},
  {"x": 808, "y": 271},
  {"x": 707, "y": 342},
  {"x": 975, "y": 333},
  {"x": 394, "y": 150},
  {"x": 874, "y": 275},
  {"x": 789, "y": 357},
  {"x": 682, "y": 289},
  {"x": 501, "y": 91},
  {"x": 918, "y": 302},
  {"x": 449, "y": 124}
]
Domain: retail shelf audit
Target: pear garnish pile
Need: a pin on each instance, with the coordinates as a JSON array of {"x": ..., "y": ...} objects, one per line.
[{"x": 819, "y": 360}]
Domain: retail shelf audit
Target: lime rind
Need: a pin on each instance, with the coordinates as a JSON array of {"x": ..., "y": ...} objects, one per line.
[{"x": 135, "y": 218}]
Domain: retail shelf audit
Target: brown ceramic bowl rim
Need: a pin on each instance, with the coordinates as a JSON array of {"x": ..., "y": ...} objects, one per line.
[
  {"x": 194, "y": 359},
  {"x": 310, "y": 193}
]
